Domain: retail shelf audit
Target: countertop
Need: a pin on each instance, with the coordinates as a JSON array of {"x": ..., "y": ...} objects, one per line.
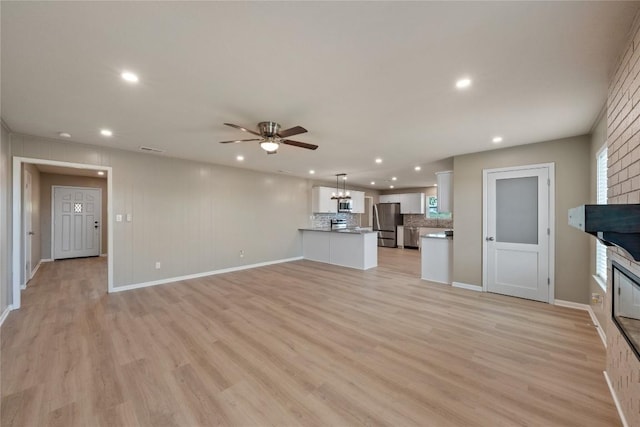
[
  {"x": 436, "y": 236},
  {"x": 341, "y": 230}
]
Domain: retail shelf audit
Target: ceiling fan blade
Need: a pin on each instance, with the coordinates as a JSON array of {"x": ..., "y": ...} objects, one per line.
[
  {"x": 242, "y": 129},
  {"x": 296, "y": 130},
  {"x": 299, "y": 144},
  {"x": 239, "y": 140}
]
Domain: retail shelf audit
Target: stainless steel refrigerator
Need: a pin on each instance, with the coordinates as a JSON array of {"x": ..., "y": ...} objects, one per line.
[{"x": 386, "y": 219}]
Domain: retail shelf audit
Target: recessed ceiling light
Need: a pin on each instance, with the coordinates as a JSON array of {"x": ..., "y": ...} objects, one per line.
[
  {"x": 435, "y": 185},
  {"x": 373, "y": 183},
  {"x": 378, "y": 160},
  {"x": 64, "y": 134},
  {"x": 344, "y": 178},
  {"x": 311, "y": 172},
  {"x": 100, "y": 173},
  {"x": 417, "y": 168},
  {"x": 391, "y": 186},
  {"x": 463, "y": 83},
  {"x": 129, "y": 76},
  {"x": 105, "y": 132},
  {"x": 497, "y": 139},
  {"x": 240, "y": 158},
  {"x": 393, "y": 178}
]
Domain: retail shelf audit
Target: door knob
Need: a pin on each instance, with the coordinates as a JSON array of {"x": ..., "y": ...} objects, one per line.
[
  {"x": 489, "y": 239},
  {"x": 31, "y": 233}
]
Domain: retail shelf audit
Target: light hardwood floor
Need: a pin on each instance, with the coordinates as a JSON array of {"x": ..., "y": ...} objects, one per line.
[{"x": 300, "y": 343}]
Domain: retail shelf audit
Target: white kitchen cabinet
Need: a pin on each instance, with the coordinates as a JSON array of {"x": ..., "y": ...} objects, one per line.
[
  {"x": 412, "y": 203},
  {"x": 357, "y": 198},
  {"x": 321, "y": 200},
  {"x": 389, "y": 198},
  {"x": 445, "y": 191},
  {"x": 400, "y": 236}
]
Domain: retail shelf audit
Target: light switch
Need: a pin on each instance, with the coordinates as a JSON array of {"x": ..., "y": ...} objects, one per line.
[
  {"x": 118, "y": 218},
  {"x": 129, "y": 217}
]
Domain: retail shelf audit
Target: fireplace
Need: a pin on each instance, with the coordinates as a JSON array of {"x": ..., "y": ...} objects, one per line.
[{"x": 626, "y": 305}]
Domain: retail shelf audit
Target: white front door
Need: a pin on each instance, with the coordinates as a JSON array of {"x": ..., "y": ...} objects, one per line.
[
  {"x": 517, "y": 232},
  {"x": 28, "y": 232},
  {"x": 76, "y": 222}
]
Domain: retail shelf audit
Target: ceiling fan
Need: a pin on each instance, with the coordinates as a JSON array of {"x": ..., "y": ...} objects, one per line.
[{"x": 271, "y": 136}]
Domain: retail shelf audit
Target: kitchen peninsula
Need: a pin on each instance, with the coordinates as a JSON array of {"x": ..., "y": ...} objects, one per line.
[{"x": 353, "y": 248}]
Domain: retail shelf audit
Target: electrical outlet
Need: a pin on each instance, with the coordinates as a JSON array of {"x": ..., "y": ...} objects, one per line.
[
  {"x": 158, "y": 265},
  {"x": 241, "y": 253},
  {"x": 596, "y": 298}
]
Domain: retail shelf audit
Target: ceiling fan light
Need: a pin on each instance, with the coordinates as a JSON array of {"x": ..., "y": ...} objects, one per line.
[{"x": 269, "y": 146}]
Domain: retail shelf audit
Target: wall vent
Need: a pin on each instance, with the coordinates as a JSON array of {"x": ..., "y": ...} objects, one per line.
[{"x": 151, "y": 150}]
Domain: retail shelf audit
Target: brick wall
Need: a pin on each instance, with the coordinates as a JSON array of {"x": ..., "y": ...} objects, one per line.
[{"x": 623, "y": 143}]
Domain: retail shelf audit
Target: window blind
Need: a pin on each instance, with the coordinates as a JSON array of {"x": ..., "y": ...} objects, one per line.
[{"x": 601, "y": 199}]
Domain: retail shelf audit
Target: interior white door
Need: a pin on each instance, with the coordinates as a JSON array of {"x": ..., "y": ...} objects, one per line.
[
  {"x": 28, "y": 232},
  {"x": 76, "y": 222},
  {"x": 517, "y": 232}
]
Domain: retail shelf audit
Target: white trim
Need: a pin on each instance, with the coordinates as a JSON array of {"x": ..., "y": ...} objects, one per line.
[
  {"x": 35, "y": 270},
  {"x": 26, "y": 255},
  {"x": 615, "y": 400},
  {"x": 103, "y": 255},
  {"x": 461, "y": 285},
  {"x": 587, "y": 308},
  {"x": 17, "y": 216},
  {"x": 47, "y": 260},
  {"x": 571, "y": 304},
  {"x": 552, "y": 221},
  {"x": 5, "y": 313},
  {"x": 203, "y": 274},
  {"x": 600, "y": 282}
]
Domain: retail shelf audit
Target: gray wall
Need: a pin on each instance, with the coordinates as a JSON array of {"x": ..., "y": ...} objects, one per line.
[
  {"x": 5, "y": 220},
  {"x": 47, "y": 181},
  {"x": 572, "y": 165},
  {"x": 35, "y": 216},
  {"x": 192, "y": 217}
]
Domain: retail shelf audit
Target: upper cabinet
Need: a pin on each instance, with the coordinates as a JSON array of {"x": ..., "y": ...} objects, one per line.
[
  {"x": 357, "y": 197},
  {"x": 445, "y": 191},
  {"x": 410, "y": 203},
  {"x": 389, "y": 198},
  {"x": 321, "y": 200}
]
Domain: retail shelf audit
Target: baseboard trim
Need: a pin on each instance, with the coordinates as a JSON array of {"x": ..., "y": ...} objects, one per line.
[
  {"x": 35, "y": 270},
  {"x": 5, "y": 313},
  {"x": 103, "y": 255},
  {"x": 198, "y": 275},
  {"x": 588, "y": 309},
  {"x": 467, "y": 286},
  {"x": 615, "y": 399},
  {"x": 47, "y": 260}
]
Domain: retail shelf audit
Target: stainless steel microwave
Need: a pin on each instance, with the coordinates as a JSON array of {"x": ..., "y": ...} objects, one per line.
[{"x": 345, "y": 205}]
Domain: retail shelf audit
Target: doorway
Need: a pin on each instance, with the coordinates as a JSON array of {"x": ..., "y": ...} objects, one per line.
[
  {"x": 76, "y": 219},
  {"x": 518, "y": 231},
  {"x": 27, "y": 229},
  {"x": 19, "y": 242}
]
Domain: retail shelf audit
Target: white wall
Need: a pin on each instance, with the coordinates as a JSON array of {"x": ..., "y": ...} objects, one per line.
[
  {"x": 5, "y": 220},
  {"x": 192, "y": 217}
]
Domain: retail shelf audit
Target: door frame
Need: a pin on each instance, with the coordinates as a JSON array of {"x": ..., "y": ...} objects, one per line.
[
  {"x": 552, "y": 222},
  {"x": 18, "y": 244},
  {"x": 27, "y": 220},
  {"x": 53, "y": 216}
]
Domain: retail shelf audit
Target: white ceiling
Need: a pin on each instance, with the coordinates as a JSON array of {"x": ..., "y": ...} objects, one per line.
[{"x": 367, "y": 79}]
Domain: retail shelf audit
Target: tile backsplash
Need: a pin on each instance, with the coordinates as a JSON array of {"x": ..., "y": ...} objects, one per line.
[
  {"x": 321, "y": 220},
  {"x": 420, "y": 221}
]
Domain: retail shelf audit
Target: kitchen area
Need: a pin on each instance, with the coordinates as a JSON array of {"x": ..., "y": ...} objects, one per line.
[{"x": 405, "y": 224}]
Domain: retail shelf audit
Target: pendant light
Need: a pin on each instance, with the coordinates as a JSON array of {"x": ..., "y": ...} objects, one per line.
[{"x": 338, "y": 194}]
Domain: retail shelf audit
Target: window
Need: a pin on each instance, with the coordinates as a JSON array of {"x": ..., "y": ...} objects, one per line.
[{"x": 601, "y": 199}]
